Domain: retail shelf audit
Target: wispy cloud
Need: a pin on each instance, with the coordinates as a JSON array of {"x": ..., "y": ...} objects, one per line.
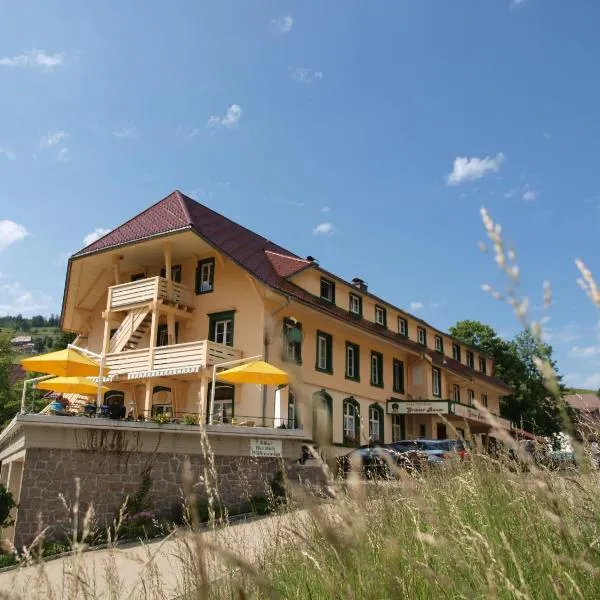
[
  {"x": 33, "y": 59},
  {"x": 471, "y": 169},
  {"x": 11, "y": 232},
  {"x": 63, "y": 155},
  {"x": 569, "y": 332},
  {"x": 53, "y": 138},
  {"x": 437, "y": 304},
  {"x": 592, "y": 382},
  {"x": 529, "y": 194},
  {"x": 90, "y": 238},
  {"x": 8, "y": 153},
  {"x": 15, "y": 298},
  {"x": 323, "y": 229},
  {"x": 416, "y": 306},
  {"x": 304, "y": 75},
  {"x": 515, "y": 4},
  {"x": 229, "y": 120},
  {"x": 585, "y": 352},
  {"x": 128, "y": 132},
  {"x": 282, "y": 24},
  {"x": 325, "y": 209},
  {"x": 546, "y": 136}
]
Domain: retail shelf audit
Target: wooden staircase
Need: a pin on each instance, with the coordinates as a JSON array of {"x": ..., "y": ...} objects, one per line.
[{"x": 134, "y": 327}]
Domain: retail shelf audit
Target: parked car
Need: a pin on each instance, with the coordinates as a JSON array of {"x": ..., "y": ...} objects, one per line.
[
  {"x": 433, "y": 453},
  {"x": 460, "y": 447},
  {"x": 375, "y": 461},
  {"x": 561, "y": 459}
]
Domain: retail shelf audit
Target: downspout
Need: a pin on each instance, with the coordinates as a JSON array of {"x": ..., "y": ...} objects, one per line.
[{"x": 288, "y": 300}]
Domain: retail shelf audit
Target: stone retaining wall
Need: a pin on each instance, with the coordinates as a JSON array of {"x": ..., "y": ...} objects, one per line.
[{"x": 48, "y": 487}]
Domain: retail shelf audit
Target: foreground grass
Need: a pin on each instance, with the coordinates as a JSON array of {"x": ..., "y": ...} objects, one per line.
[{"x": 479, "y": 531}]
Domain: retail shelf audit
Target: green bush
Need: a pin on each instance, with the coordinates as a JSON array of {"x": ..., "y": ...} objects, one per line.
[
  {"x": 7, "y": 560},
  {"x": 7, "y": 503},
  {"x": 190, "y": 419}
]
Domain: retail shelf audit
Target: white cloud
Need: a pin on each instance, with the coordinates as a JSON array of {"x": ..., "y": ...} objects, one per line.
[
  {"x": 282, "y": 24},
  {"x": 63, "y": 155},
  {"x": 323, "y": 229},
  {"x": 470, "y": 169},
  {"x": 529, "y": 195},
  {"x": 304, "y": 75},
  {"x": 514, "y": 4},
  {"x": 546, "y": 136},
  {"x": 438, "y": 304},
  {"x": 53, "y": 138},
  {"x": 586, "y": 352},
  {"x": 592, "y": 382},
  {"x": 229, "y": 120},
  {"x": 32, "y": 59},
  {"x": 14, "y": 298},
  {"x": 126, "y": 133},
  {"x": 90, "y": 238},
  {"x": 11, "y": 232},
  {"x": 8, "y": 153},
  {"x": 416, "y": 305},
  {"x": 567, "y": 333},
  {"x": 325, "y": 209},
  {"x": 511, "y": 193}
]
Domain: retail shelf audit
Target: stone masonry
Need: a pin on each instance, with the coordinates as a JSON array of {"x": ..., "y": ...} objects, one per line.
[{"x": 48, "y": 489}]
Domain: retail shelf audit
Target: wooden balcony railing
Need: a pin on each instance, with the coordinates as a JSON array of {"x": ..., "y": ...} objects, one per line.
[
  {"x": 170, "y": 360},
  {"x": 148, "y": 290}
]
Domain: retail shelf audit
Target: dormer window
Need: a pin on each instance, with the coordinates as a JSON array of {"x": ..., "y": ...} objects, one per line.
[
  {"x": 328, "y": 290},
  {"x": 380, "y": 316},
  {"x": 456, "y": 352},
  {"x": 482, "y": 365},
  {"x": 422, "y": 336},
  {"x": 355, "y": 305},
  {"x": 402, "y": 326},
  {"x": 439, "y": 343},
  {"x": 470, "y": 359}
]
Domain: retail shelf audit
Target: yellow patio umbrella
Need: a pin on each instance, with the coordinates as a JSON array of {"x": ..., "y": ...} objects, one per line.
[
  {"x": 71, "y": 385},
  {"x": 258, "y": 371},
  {"x": 65, "y": 363}
]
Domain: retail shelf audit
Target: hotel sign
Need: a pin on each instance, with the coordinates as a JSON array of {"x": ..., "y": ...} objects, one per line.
[
  {"x": 417, "y": 407},
  {"x": 265, "y": 448},
  {"x": 467, "y": 412}
]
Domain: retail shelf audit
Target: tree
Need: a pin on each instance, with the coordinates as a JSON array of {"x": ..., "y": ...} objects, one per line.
[
  {"x": 8, "y": 401},
  {"x": 63, "y": 340},
  {"x": 531, "y": 406},
  {"x": 38, "y": 345}
]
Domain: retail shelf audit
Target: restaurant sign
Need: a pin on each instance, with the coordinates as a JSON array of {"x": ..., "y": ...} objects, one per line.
[
  {"x": 417, "y": 407},
  {"x": 265, "y": 448},
  {"x": 468, "y": 412}
]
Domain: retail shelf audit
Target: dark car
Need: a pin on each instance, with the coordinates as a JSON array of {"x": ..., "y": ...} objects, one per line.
[
  {"x": 432, "y": 453},
  {"x": 460, "y": 447},
  {"x": 374, "y": 461}
]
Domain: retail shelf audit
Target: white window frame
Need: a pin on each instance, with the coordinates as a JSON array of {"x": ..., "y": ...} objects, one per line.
[
  {"x": 471, "y": 397},
  {"x": 402, "y": 326},
  {"x": 484, "y": 400},
  {"x": 456, "y": 393},
  {"x": 226, "y": 323},
  {"x": 439, "y": 343},
  {"x": 398, "y": 369},
  {"x": 396, "y": 428},
  {"x": 291, "y": 411},
  {"x": 205, "y": 277},
  {"x": 322, "y": 357},
  {"x": 290, "y": 347},
  {"x": 456, "y": 352},
  {"x": 470, "y": 359},
  {"x": 380, "y": 315},
  {"x": 221, "y": 409},
  {"x": 482, "y": 362},
  {"x": 375, "y": 369},
  {"x": 330, "y": 286},
  {"x": 421, "y": 336},
  {"x": 374, "y": 424},
  {"x": 350, "y": 361},
  {"x": 355, "y": 304},
  {"x": 436, "y": 382},
  {"x": 349, "y": 420}
]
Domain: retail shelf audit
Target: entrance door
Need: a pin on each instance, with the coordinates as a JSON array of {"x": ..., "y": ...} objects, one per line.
[{"x": 441, "y": 431}]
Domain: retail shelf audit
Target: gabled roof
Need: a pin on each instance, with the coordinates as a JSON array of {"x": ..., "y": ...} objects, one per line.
[{"x": 268, "y": 262}]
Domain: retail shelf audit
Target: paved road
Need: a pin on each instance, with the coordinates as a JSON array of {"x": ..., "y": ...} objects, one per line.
[{"x": 161, "y": 569}]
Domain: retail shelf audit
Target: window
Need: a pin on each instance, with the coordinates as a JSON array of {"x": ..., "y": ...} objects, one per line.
[
  {"x": 355, "y": 306},
  {"x": 398, "y": 376},
  {"x": 351, "y": 420},
  {"x": 162, "y": 334},
  {"x": 375, "y": 423},
  {"x": 324, "y": 353},
  {"x": 397, "y": 428},
  {"x": 484, "y": 401},
  {"x": 222, "y": 408},
  {"x": 205, "y": 276},
  {"x": 439, "y": 343},
  {"x": 352, "y": 361},
  {"x": 470, "y": 359},
  {"x": 327, "y": 290},
  {"x": 456, "y": 352},
  {"x": 402, "y": 326},
  {"x": 292, "y": 419},
  {"x": 437, "y": 382},
  {"x": 482, "y": 365},
  {"x": 292, "y": 341},
  {"x": 380, "y": 315},
  {"x": 421, "y": 336},
  {"x": 220, "y": 327},
  {"x": 456, "y": 392},
  {"x": 471, "y": 397},
  {"x": 175, "y": 273},
  {"x": 422, "y": 431},
  {"x": 376, "y": 369},
  {"x": 138, "y": 276}
]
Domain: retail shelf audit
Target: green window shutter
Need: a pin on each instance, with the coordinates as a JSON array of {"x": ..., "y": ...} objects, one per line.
[{"x": 330, "y": 352}]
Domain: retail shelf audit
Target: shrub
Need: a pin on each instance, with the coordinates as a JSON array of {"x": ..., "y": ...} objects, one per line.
[
  {"x": 190, "y": 419},
  {"x": 7, "y": 503}
]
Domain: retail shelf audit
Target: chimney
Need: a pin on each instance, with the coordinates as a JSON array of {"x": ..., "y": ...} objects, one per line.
[
  {"x": 360, "y": 284},
  {"x": 311, "y": 259}
]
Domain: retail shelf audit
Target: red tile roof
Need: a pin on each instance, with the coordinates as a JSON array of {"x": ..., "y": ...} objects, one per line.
[
  {"x": 585, "y": 402},
  {"x": 267, "y": 261}
]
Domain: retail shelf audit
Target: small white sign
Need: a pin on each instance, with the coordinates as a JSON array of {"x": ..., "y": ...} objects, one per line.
[
  {"x": 466, "y": 412},
  {"x": 401, "y": 407},
  {"x": 265, "y": 448}
]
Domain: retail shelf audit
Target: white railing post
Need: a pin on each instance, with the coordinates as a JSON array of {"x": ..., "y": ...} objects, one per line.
[{"x": 25, "y": 382}]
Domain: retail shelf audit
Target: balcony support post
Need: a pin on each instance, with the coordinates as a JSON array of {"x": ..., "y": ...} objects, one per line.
[
  {"x": 116, "y": 270},
  {"x": 168, "y": 274},
  {"x": 148, "y": 399}
]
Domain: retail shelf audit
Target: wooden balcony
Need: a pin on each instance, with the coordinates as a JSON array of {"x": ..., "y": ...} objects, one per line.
[
  {"x": 178, "y": 359},
  {"x": 126, "y": 295}
]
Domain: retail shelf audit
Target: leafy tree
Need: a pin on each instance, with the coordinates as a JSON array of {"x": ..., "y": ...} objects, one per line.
[
  {"x": 63, "y": 340},
  {"x": 8, "y": 401},
  {"x": 531, "y": 406},
  {"x": 38, "y": 345}
]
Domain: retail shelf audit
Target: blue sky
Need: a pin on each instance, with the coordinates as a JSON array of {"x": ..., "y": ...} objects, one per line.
[{"x": 367, "y": 134}]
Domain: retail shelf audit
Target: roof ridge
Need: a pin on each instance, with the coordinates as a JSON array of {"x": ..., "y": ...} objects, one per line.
[
  {"x": 294, "y": 257},
  {"x": 181, "y": 197}
]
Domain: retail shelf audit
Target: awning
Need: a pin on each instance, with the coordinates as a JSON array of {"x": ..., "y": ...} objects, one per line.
[
  {"x": 64, "y": 363},
  {"x": 70, "y": 385},
  {"x": 258, "y": 371}
]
